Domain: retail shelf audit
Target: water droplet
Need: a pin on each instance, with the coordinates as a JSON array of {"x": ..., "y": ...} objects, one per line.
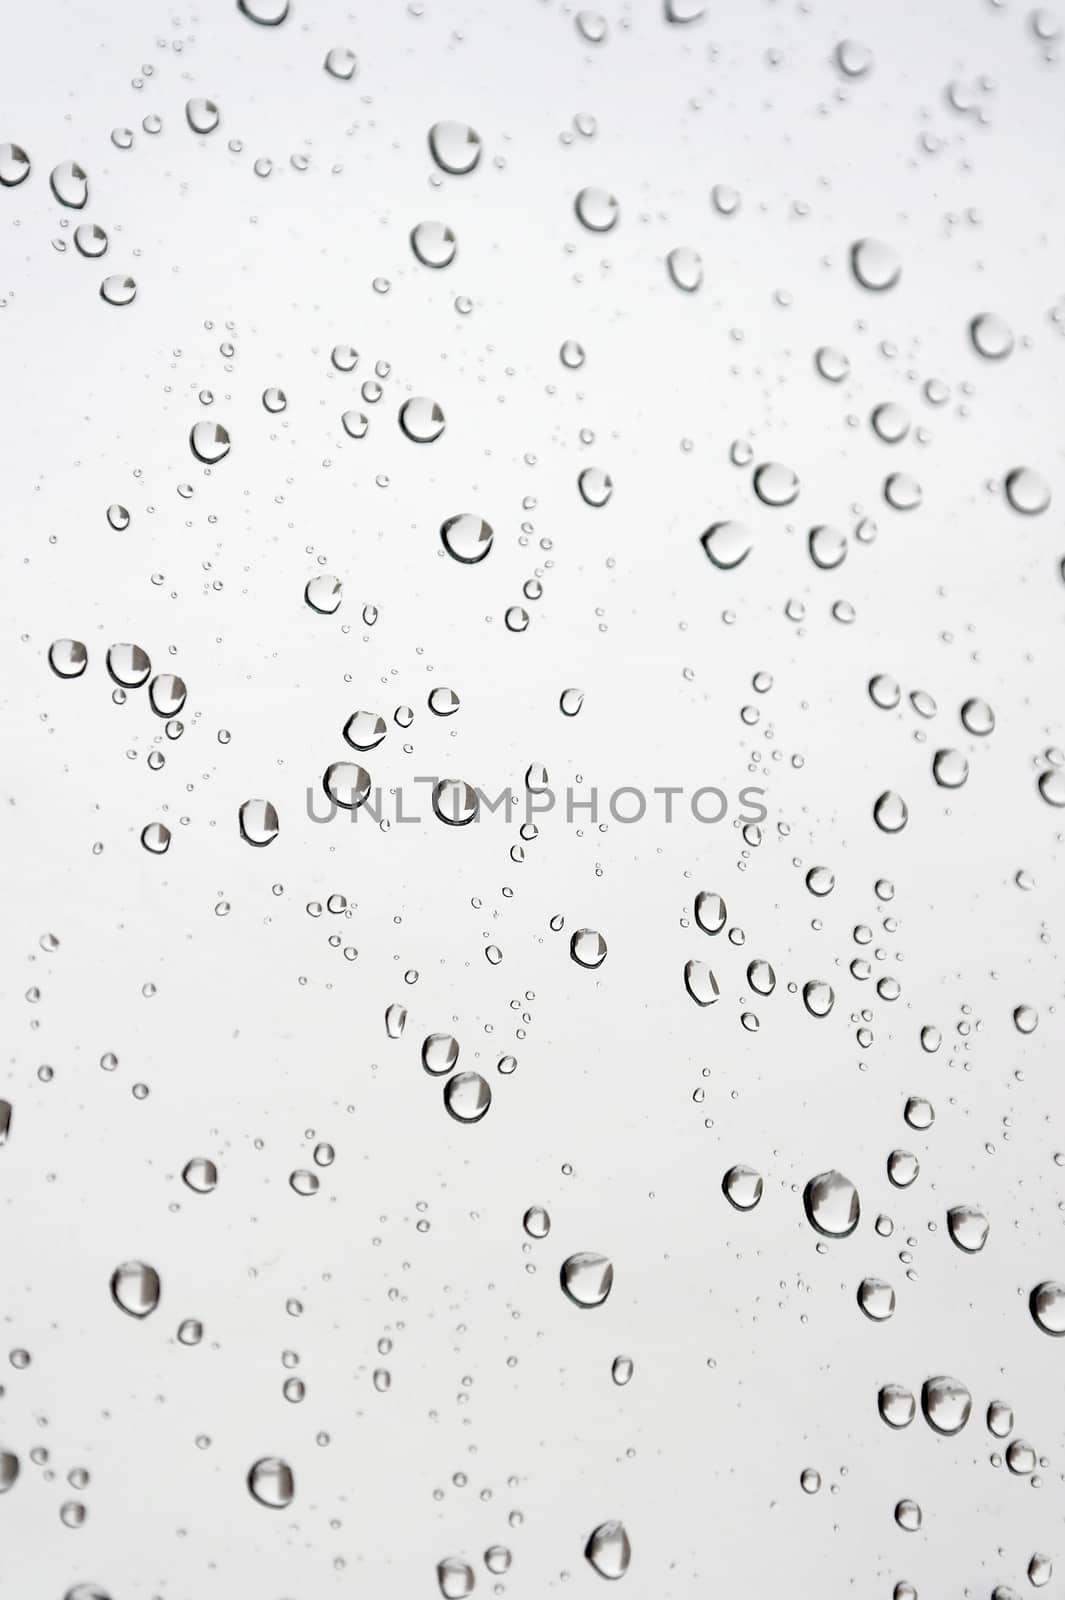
[
  {"x": 9, "y": 1470},
  {"x": 455, "y": 1578},
  {"x": 761, "y": 977},
  {"x": 454, "y": 147},
  {"x": 991, "y": 335},
  {"x": 1052, "y": 786},
  {"x": 950, "y": 768},
  {"x": 455, "y": 802},
  {"x": 14, "y": 165},
  {"x": 340, "y": 62},
  {"x": 875, "y": 265},
  {"x": 68, "y": 658},
  {"x": 1000, "y": 1419},
  {"x": 902, "y": 491},
  {"x": 271, "y": 1482},
  {"x": 978, "y": 718},
  {"x": 467, "y": 1096},
  {"x": 818, "y": 997},
  {"x": 433, "y": 244},
  {"x": 897, "y": 1405},
  {"x": 118, "y": 517},
  {"x": 621, "y": 1371},
  {"x": 364, "y": 730},
  {"x": 90, "y": 240},
  {"x": 467, "y": 537},
  {"x": 832, "y": 1204},
  {"x": 203, "y": 116},
  {"x": 711, "y": 912},
  {"x": 725, "y": 199},
  {"x": 303, "y": 1182},
  {"x": 209, "y": 442},
  {"x": 820, "y": 881},
  {"x": 1027, "y": 491},
  {"x": 200, "y": 1174},
  {"x": 742, "y": 1187},
  {"x": 135, "y": 1288},
  {"x": 156, "y": 838},
  {"x": 908, "y": 1515},
  {"x": 902, "y": 1168},
  {"x": 775, "y": 484},
  {"x": 570, "y": 702},
  {"x": 1025, "y": 1019},
  {"x": 346, "y": 784},
  {"x": 727, "y": 544},
  {"x": 324, "y": 593},
  {"x": 854, "y": 60},
  {"x": 1040, "y": 1570},
  {"x": 946, "y": 1404},
  {"x": 891, "y": 422},
  {"x": 700, "y": 983},
  {"x": 595, "y": 485},
  {"x": 877, "y": 1299},
  {"x": 571, "y": 354},
  {"x": 69, "y": 185},
  {"x": 1047, "y": 1305},
  {"x": 608, "y": 1550},
  {"x": 586, "y": 1278},
  {"x": 355, "y": 424},
  {"x": 591, "y": 26},
  {"x": 440, "y": 1052},
  {"x": 258, "y": 822},
  {"x": 268, "y": 13},
  {"x": 274, "y": 400},
  {"x": 597, "y": 209},
  {"x": 810, "y": 1480},
  {"x": 421, "y": 420},
  {"x": 536, "y": 1222},
  {"x": 968, "y": 1228},
  {"x": 685, "y": 268},
  {"x": 890, "y": 812},
  {"x": 1020, "y": 1457},
  {"x": 832, "y": 364},
  {"x": 587, "y": 948}
]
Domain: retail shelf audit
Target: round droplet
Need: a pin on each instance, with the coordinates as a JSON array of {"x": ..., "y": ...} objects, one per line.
[
  {"x": 902, "y": 491},
  {"x": 1052, "y": 786},
  {"x": 854, "y": 60},
  {"x": 820, "y": 881},
  {"x": 1047, "y": 1305},
  {"x": 118, "y": 517},
  {"x": 991, "y": 335},
  {"x": 700, "y": 983},
  {"x": 570, "y": 702},
  {"x": 268, "y": 13},
  {"x": 810, "y": 1480},
  {"x": 200, "y": 1174},
  {"x": 1040, "y": 1570},
  {"x": 608, "y": 1550},
  {"x": 91, "y": 240},
  {"x": 467, "y": 537},
  {"x": 421, "y": 420},
  {"x": 536, "y": 1222},
  {"x": 271, "y": 1482},
  {"x": 919, "y": 1113},
  {"x": 209, "y": 442},
  {"x": 884, "y": 691},
  {"x": 203, "y": 116},
  {"x": 9, "y": 1470},
  {"x": 897, "y": 1405},
  {"x": 346, "y": 784},
  {"x": 571, "y": 354},
  {"x": 711, "y": 912},
  {"x": 304, "y": 1182},
  {"x": 685, "y": 268},
  {"x": 455, "y": 1578},
  {"x": 258, "y": 822},
  {"x": 875, "y": 264},
  {"x": 355, "y": 424},
  {"x": 950, "y": 768},
  {"x": 455, "y": 802},
  {"x": 68, "y": 658},
  {"x": 775, "y": 484},
  {"x": 968, "y": 1228},
  {"x": 597, "y": 209},
  {"x": 167, "y": 694},
  {"x": 761, "y": 977},
  {"x": 587, "y": 948},
  {"x": 1000, "y": 1419},
  {"x": 727, "y": 544},
  {"x": 725, "y": 199},
  {"x": 946, "y": 1404},
  {"x": 454, "y": 147},
  {"x": 274, "y": 400},
  {"x": 69, "y": 185},
  {"x": 742, "y": 1187},
  {"x": 891, "y": 422},
  {"x": 1020, "y": 1457},
  {"x": 832, "y": 1204},
  {"x": 832, "y": 363},
  {"x": 364, "y": 730},
  {"x": 890, "y": 813},
  {"x": 978, "y": 718},
  {"x": 1025, "y": 1019},
  {"x": 467, "y": 1096},
  {"x": 902, "y": 1168},
  {"x": 595, "y": 485},
  {"x": 877, "y": 1299},
  {"x": 828, "y": 547},
  {"x": 434, "y": 244},
  {"x": 908, "y": 1515},
  {"x": 14, "y": 165},
  {"x": 135, "y": 1288},
  {"x": 440, "y": 1052},
  {"x": 586, "y": 1278},
  {"x": 621, "y": 1371},
  {"x": 340, "y": 62},
  {"x": 1027, "y": 491},
  {"x": 324, "y": 593},
  {"x": 156, "y": 838},
  {"x": 818, "y": 997}
]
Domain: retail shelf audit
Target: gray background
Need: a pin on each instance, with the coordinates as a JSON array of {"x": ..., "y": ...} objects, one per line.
[{"x": 752, "y": 1359}]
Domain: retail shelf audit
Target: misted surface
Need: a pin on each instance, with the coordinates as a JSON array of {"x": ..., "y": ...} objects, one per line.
[{"x": 532, "y": 800}]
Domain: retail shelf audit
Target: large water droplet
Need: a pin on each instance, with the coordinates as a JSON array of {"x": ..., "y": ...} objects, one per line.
[
  {"x": 991, "y": 335},
  {"x": 908, "y": 1515},
  {"x": 897, "y": 1405},
  {"x": 258, "y": 822},
  {"x": 340, "y": 62},
  {"x": 455, "y": 802},
  {"x": 209, "y": 442},
  {"x": 433, "y": 243},
  {"x": 608, "y": 1550},
  {"x": 119, "y": 289},
  {"x": 135, "y": 1288},
  {"x": 890, "y": 813},
  {"x": 90, "y": 240},
  {"x": 775, "y": 484},
  {"x": 700, "y": 983},
  {"x": 468, "y": 538},
  {"x": 727, "y": 544},
  {"x": 968, "y": 1228},
  {"x": 9, "y": 1470},
  {"x": 454, "y": 146},
  {"x": 69, "y": 185},
  {"x": 711, "y": 913},
  {"x": 950, "y": 768},
  {"x": 467, "y": 1096},
  {"x": 875, "y": 264},
  {"x": 536, "y": 1222},
  {"x": 68, "y": 658},
  {"x": 1027, "y": 491},
  {"x": 595, "y": 485},
  {"x": 832, "y": 1204},
  {"x": 346, "y": 784},
  {"x": 203, "y": 116},
  {"x": 14, "y": 165},
  {"x": 364, "y": 730},
  {"x": 685, "y": 268},
  {"x": 421, "y": 420},
  {"x": 200, "y": 1174},
  {"x": 742, "y": 1187},
  {"x": 588, "y": 948},
  {"x": 854, "y": 60},
  {"x": 1047, "y": 1305},
  {"x": 455, "y": 1578},
  {"x": 828, "y": 547},
  {"x": 586, "y": 1278},
  {"x": 597, "y": 209},
  {"x": 268, "y": 13},
  {"x": 877, "y": 1299},
  {"x": 271, "y": 1482},
  {"x": 946, "y": 1404},
  {"x": 818, "y": 997},
  {"x": 324, "y": 593}
]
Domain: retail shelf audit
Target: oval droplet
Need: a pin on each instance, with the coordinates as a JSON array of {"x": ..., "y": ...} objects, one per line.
[
  {"x": 421, "y": 420},
  {"x": 258, "y": 822},
  {"x": 467, "y": 538},
  {"x": 271, "y": 1482},
  {"x": 209, "y": 442},
  {"x": 946, "y": 1404},
  {"x": 832, "y": 1204},
  {"x": 69, "y": 184},
  {"x": 1047, "y": 1305},
  {"x": 968, "y": 1228},
  {"x": 726, "y": 544},
  {"x": 875, "y": 264},
  {"x": 742, "y": 1187},
  {"x": 597, "y": 210},
  {"x": 467, "y": 1097},
  {"x": 455, "y": 147},
  {"x": 608, "y": 1550},
  {"x": 587, "y": 948},
  {"x": 586, "y": 1278},
  {"x": 135, "y": 1288}
]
